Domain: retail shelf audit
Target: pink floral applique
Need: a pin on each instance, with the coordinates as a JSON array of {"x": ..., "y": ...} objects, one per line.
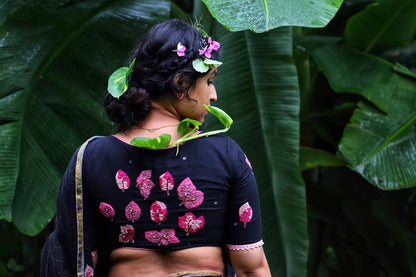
[
  {"x": 164, "y": 237},
  {"x": 107, "y": 210},
  {"x": 246, "y": 213},
  {"x": 122, "y": 180},
  {"x": 132, "y": 211},
  {"x": 144, "y": 183},
  {"x": 166, "y": 182},
  {"x": 158, "y": 212},
  {"x": 248, "y": 162},
  {"x": 89, "y": 271},
  {"x": 126, "y": 234},
  {"x": 190, "y": 224},
  {"x": 190, "y": 196}
]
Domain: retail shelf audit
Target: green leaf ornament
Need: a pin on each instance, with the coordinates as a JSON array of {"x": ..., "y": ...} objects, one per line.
[
  {"x": 186, "y": 123},
  {"x": 161, "y": 141},
  {"x": 118, "y": 81},
  {"x": 203, "y": 66},
  {"x": 222, "y": 116},
  {"x": 200, "y": 66}
]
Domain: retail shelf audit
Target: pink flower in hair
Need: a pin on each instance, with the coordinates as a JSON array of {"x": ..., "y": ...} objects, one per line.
[
  {"x": 180, "y": 50},
  {"x": 206, "y": 51},
  {"x": 214, "y": 45}
]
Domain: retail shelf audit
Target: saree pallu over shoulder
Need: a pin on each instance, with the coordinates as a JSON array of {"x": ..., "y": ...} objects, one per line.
[{"x": 64, "y": 253}]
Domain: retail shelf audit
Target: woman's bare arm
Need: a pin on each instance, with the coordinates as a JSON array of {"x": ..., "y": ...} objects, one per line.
[{"x": 251, "y": 262}]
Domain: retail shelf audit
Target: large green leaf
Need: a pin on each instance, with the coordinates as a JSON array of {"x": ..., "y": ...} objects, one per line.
[
  {"x": 55, "y": 65},
  {"x": 264, "y": 15},
  {"x": 382, "y": 25},
  {"x": 381, "y": 146}
]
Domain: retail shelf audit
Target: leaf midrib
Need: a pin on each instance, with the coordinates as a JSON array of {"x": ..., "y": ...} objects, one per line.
[
  {"x": 384, "y": 28},
  {"x": 389, "y": 139}
]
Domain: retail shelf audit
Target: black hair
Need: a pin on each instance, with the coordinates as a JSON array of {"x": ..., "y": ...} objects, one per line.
[{"x": 158, "y": 71}]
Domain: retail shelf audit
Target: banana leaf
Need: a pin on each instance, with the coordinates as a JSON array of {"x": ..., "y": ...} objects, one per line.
[
  {"x": 379, "y": 142},
  {"x": 264, "y": 15},
  {"x": 382, "y": 25},
  {"x": 56, "y": 58}
]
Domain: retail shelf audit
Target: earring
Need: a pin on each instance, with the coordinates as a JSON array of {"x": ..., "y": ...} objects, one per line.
[{"x": 179, "y": 95}]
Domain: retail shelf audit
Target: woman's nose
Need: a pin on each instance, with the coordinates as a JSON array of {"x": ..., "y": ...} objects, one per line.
[{"x": 213, "y": 96}]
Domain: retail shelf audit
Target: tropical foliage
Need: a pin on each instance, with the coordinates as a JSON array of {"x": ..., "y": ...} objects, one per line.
[{"x": 344, "y": 92}]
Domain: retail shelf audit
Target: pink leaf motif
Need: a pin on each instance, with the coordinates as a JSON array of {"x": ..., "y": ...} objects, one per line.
[
  {"x": 158, "y": 212},
  {"x": 122, "y": 180},
  {"x": 89, "y": 271},
  {"x": 190, "y": 224},
  {"x": 246, "y": 213},
  {"x": 107, "y": 210},
  {"x": 166, "y": 182},
  {"x": 144, "y": 183},
  {"x": 190, "y": 196},
  {"x": 248, "y": 162},
  {"x": 132, "y": 211},
  {"x": 126, "y": 234},
  {"x": 164, "y": 237}
]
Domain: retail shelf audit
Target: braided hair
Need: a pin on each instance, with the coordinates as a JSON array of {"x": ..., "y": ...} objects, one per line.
[{"x": 156, "y": 71}]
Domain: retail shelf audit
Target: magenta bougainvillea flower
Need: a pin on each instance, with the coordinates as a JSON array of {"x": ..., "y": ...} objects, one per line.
[
  {"x": 144, "y": 183},
  {"x": 190, "y": 224},
  {"x": 89, "y": 271},
  {"x": 215, "y": 45},
  {"x": 166, "y": 182},
  {"x": 245, "y": 213},
  {"x": 126, "y": 234},
  {"x": 190, "y": 196},
  {"x": 107, "y": 210},
  {"x": 164, "y": 237},
  {"x": 180, "y": 50},
  {"x": 158, "y": 212},
  {"x": 132, "y": 211},
  {"x": 122, "y": 180}
]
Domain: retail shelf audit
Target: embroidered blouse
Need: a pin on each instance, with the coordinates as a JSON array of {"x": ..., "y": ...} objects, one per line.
[{"x": 206, "y": 195}]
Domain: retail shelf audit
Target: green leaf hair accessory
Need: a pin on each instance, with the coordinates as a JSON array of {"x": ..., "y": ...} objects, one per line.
[{"x": 118, "y": 81}]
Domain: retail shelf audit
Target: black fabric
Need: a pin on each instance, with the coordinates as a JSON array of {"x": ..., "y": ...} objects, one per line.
[{"x": 217, "y": 167}]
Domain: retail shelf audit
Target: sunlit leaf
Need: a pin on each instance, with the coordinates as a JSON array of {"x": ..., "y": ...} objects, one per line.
[
  {"x": 222, "y": 116},
  {"x": 379, "y": 145},
  {"x": 264, "y": 15},
  {"x": 161, "y": 141},
  {"x": 118, "y": 81}
]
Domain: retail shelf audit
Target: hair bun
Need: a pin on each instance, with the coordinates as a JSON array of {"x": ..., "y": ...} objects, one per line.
[{"x": 130, "y": 109}]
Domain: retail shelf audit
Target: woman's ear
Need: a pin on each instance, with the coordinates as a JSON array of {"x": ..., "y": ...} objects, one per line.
[{"x": 180, "y": 84}]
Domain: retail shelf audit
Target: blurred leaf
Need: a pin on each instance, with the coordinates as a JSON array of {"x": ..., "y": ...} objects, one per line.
[
  {"x": 310, "y": 158},
  {"x": 382, "y": 25},
  {"x": 55, "y": 67},
  {"x": 380, "y": 146},
  {"x": 262, "y": 16},
  {"x": 398, "y": 230}
]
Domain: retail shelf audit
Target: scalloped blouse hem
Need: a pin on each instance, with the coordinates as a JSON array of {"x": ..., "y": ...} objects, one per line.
[{"x": 245, "y": 246}]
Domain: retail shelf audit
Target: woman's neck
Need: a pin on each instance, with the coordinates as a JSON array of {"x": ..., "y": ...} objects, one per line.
[{"x": 162, "y": 119}]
